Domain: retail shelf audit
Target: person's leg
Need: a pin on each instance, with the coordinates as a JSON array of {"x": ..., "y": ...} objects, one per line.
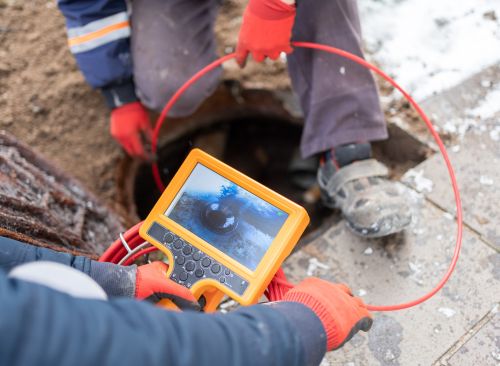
[
  {"x": 342, "y": 116},
  {"x": 171, "y": 41},
  {"x": 339, "y": 98}
]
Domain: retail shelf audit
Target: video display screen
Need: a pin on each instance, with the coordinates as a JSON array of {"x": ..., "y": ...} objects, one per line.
[{"x": 227, "y": 216}]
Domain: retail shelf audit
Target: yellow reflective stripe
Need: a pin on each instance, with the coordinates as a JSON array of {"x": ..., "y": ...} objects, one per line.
[
  {"x": 98, "y": 33},
  {"x": 97, "y": 24}
]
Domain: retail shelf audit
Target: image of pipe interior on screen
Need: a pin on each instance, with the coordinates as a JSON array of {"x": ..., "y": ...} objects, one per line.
[{"x": 227, "y": 216}]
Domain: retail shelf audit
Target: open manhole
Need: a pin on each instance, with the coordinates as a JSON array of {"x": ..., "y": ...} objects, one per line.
[
  {"x": 264, "y": 148},
  {"x": 255, "y": 134}
]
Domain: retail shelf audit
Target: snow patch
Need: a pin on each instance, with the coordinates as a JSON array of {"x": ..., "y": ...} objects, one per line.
[
  {"x": 460, "y": 126},
  {"x": 495, "y": 355},
  {"x": 484, "y": 180},
  {"x": 486, "y": 83},
  {"x": 421, "y": 183},
  {"x": 430, "y": 45},
  {"x": 495, "y": 133},
  {"x": 314, "y": 265},
  {"x": 489, "y": 106},
  {"x": 447, "y": 312},
  {"x": 448, "y": 216}
]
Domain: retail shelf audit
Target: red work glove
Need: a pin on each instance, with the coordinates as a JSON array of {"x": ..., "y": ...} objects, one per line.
[
  {"x": 266, "y": 30},
  {"x": 152, "y": 284},
  {"x": 342, "y": 314},
  {"x": 128, "y": 123}
]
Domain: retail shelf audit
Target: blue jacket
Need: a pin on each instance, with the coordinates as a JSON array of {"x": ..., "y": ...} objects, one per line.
[
  {"x": 99, "y": 38},
  {"x": 40, "y": 326}
]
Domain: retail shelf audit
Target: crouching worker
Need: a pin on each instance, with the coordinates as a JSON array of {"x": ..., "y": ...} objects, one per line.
[{"x": 41, "y": 324}]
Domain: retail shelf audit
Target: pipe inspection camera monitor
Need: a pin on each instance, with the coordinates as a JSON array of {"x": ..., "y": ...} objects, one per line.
[{"x": 223, "y": 233}]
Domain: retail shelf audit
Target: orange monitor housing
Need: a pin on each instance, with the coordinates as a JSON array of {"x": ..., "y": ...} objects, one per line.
[{"x": 223, "y": 232}]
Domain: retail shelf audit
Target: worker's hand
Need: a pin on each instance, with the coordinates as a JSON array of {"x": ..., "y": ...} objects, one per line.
[
  {"x": 342, "y": 314},
  {"x": 266, "y": 30},
  {"x": 152, "y": 284},
  {"x": 131, "y": 128}
]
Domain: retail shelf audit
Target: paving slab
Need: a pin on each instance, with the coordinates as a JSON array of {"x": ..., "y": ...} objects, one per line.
[
  {"x": 477, "y": 166},
  {"x": 453, "y": 104},
  {"x": 401, "y": 268},
  {"x": 483, "y": 348},
  {"x": 473, "y": 106}
]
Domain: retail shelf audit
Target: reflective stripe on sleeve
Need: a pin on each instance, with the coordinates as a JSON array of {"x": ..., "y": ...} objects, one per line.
[{"x": 99, "y": 32}]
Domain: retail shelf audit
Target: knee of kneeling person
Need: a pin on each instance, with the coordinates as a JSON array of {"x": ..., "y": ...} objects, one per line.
[{"x": 156, "y": 93}]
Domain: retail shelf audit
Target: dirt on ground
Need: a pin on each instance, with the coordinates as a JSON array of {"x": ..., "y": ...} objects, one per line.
[{"x": 45, "y": 102}]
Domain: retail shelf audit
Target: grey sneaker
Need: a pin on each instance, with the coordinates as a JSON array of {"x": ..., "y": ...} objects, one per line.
[{"x": 372, "y": 205}]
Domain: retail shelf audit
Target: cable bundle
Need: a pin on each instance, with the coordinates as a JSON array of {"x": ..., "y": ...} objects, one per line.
[{"x": 130, "y": 246}]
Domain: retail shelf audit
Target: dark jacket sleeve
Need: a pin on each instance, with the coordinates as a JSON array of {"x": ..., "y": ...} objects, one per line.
[
  {"x": 39, "y": 326},
  {"x": 99, "y": 38},
  {"x": 115, "y": 280}
]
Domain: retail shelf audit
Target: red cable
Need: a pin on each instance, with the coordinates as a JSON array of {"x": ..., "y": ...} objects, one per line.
[
  {"x": 279, "y": 285},
  {"x": 170, "y": 104},
  {"x": 116, "y": 252},
  {"x": 139, "y": 254}
]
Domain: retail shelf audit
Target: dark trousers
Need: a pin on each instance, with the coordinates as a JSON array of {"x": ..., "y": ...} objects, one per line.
[{"x": 173, "y": 39}]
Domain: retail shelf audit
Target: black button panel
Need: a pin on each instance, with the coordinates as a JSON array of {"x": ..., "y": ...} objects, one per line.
[
  {"x": 215, "y": 268},
  {"x": 177, "y": 244},
  {"x": 192, "y": 265},
  {"x": 183, "y": 276},
  {"x": 206, "y": 262},
  {"x": 199, "y": 273}
]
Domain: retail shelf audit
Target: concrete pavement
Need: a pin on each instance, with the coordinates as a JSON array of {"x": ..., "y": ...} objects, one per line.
[{"x": 461, "y": 324}]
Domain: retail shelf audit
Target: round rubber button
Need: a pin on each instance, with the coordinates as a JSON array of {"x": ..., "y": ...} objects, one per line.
[
  {"x": 189, "y": 266},
  {"x": 227, "y": 272},
  {"x": 206, "y": 262},
  {"x": 183, "y": 276},
  {"x": 180, "y": 260},
  {"x": 199, "y": 273},
  {"x": 215, "y": 268},
  {"x": 222, "y": 279},
  {"x": 197, "y": 256},
  {"x": 169, "y": 238},
  {"x": 187, "y": 250},
  {"x": 178, "y": 244}
]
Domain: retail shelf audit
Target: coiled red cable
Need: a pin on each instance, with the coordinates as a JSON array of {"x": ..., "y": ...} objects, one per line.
[{"x": 279, "y": 285}]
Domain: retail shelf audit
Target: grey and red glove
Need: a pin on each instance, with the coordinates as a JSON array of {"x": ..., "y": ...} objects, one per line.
[
  {"x": 148, "y": 282},
  {"x": 152, "y": 284},
  {"x": 266, "y": 30},
  {"x": 131, "y": 127},
  {"x": 341, "y": 314}
]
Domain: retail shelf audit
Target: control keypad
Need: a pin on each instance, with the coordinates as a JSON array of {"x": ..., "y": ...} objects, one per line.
[{"x": 192, "y": 265}]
